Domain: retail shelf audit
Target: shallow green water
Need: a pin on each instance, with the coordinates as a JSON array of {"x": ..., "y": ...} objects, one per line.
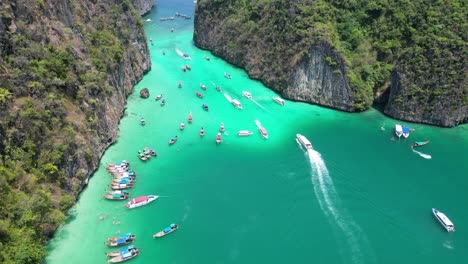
[{"x": 358, "y": 198}]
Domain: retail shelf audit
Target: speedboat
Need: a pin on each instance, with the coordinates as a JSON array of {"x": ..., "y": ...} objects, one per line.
[
  {"x": 205, "y": 107},
  {"x": 167, "y": 230},
  {"x": 184, "y": 68},
  {"x": 304, "y": 141},
  {"x": 420, "y": 143},
  {"x": 190, "y": 118},
  {"x": 263, "y": 132},
  {"x": 227, "y": 75},
  {"x": 444, "y": 221},
  {"x": 406, "y": 131},
  {"x": 182, "y": 126},
  {"x": 186, "y": 56},
  {"x": 221, "y": 127},
  {"x": 163, "y": 102},
  {"x": 202, "y": 86},
  {"x": 244, "y": 133},
  {"x": 173, "y": 140},
  {"x": 202, "y": 132},
  {"x": 142, "y": 121},
  {"x": 158, "y": 97},
  {"x": 218, "y": 138},
  {"x": 398, "y": 130},
  {"x": 278, "y": 100},
  {"x": 236, "y": 104},
  {"x": 120, "y": 240},
  {"x": 199, "y": 95},
  {"x": 179, "y": 84},
  {"x": 125, "y": 255},
  {"x": 120, "y": 251},
  {"x": 247, "y": 95},
  {"x": 207, "y": 58},
  {"x": 140, "y": 201}
]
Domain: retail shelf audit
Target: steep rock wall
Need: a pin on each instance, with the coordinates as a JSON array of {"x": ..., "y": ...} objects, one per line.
[{"x": 143, "y": 6}]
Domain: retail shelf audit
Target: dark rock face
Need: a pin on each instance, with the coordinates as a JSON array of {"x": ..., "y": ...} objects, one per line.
[
  {"x": 144, "y": 93},
  {"x": 143, "y": 6}
]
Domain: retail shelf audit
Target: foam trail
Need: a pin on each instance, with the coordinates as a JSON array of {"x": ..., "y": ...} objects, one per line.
[
  {"x": 259, "y": 105},
  {"x": 228, "y": 97},
  {"x": 426, "y": 156},
  {"x": 329, "y": 203}
]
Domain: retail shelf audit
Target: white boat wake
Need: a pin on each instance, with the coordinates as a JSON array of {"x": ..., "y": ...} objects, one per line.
[
  {"x": 228, "y": 97},
  {"x": 330, "y": 204},
  {"x": 259, "y": 105},
  {"x": 183, "y": 55},
  {"x": 426, "y": 156}
]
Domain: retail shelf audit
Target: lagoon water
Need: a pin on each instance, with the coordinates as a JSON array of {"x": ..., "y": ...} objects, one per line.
[{"x": 358, "y": 197}]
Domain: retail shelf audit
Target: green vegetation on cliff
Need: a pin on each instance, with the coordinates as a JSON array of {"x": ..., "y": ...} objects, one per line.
[
  {"x": 55, "y": 66},
  {"x": 425, "y": 37}
]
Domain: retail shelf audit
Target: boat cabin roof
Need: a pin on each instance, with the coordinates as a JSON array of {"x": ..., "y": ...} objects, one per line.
[{"x": 444, "y": 219}]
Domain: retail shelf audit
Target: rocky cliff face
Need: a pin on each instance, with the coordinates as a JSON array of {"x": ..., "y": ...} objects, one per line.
[{"x": 143, "y": 6}]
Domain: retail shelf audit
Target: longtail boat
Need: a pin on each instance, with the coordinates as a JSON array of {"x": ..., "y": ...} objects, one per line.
[
  {"x": 420, "y": 143},
  {"x": 167, "y": 230},
  {"x": 120, "y": 240}
]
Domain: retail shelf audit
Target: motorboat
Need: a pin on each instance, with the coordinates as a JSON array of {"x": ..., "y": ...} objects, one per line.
[
  {"x": 278, "y": 100},
  {"x": 184, "y": 68},
  {"x": 444, "y": 221},
  {"x": 163, "y": 102},
  {"x": 120, "y": 240},
  {"x": 166, "y": 231},
  {"x": 190, "y": 118},
  {"x": 218, "y": 138},
  {"x": 406, "y": 131},
  {"x": 261, "y": 129},
  {"x": 420, "y": 143},
  {"x": 244, "y": 133},
  {"x": 203, "y": 86},
  {"x": 179, "y": 84},
  {"x": 116, "y": 186},
  {"x": 221, "y": 127},
  {"x": 120, "y": 251},
  {"x": 205, "y": 107},
  {"x": 236, "y": 104},
  {"x": 247, "y": 95},
  {"x": 202, "y": 132},
  {"x": 124, "y": 256},
  {"x": 182, "y": 126},
  {"x": 188, "y": 67},
  {"x": 207, "y": 58},
  {"x": 117, "y": 195},
  {"x": 142, "y": 121},
  {"x": 119, "y": 164},
  {"x": 199, "y": 95},
  {"x": 173, "y": 140},
  {"x": 140, "y": 201},
  {"x": 398, "y": 130},
  {"x": 159, "y": 96},
  {"x": 304, "y": 141},
  {"x": 227, "y": 75}
]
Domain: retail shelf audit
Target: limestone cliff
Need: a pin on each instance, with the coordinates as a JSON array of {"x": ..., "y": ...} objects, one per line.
[{"x": 143, "y": 6}]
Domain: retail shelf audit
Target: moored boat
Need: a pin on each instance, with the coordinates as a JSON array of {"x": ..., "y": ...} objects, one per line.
[
  {"x": 199, "y": 95},
  {"x": 120, "y": 251},
  {"x": 125, "y": 180},
  {"x": 207, "y": 58},
  {"x": 117, "y": 195},
  {"x": 116, "y": 186},
  {"x": 179, "y": 84},
  {"x": 202, "y": 132},
  {"x": 159, "y": 96},
  {"x": 173, "y": 140},
  {"x": 221, "y": 127},
  {"x": 163, "y": 102},
  {"x": 151, "y": 152},
  {"x": 304, "y": 141},
  {"x": 420, "y": 143},
  {"x": 227, "y": 75},
  {"x": 182, "y": 126},
  {"x": 142, "y": 121},
  {"x": 125, "y": 256},
  {"x": 190, "y": 118},
  {"x": 120, "y": 240},
  {"x": 166, "y": 231},
  {"x": 218, "y": 138},
  {"x": 406, "y": 131},
  {"x": 202, "y": 86},
  {"x": 188, "y": 67},
  {"x": 398, "y": 130},
  {"x": 184, "y": 68},
  {"x": 236, "y": 104},
  {"x": 244, "y": 133},
  {"x": 205, "y": 107},
  {"x": 278, "y": 100},
  {"x": 444, "y": 221},
  {"x": 140, "y": 201},
  {"x": 119, "y": 164},
  {"x": 247, "y": 95}
]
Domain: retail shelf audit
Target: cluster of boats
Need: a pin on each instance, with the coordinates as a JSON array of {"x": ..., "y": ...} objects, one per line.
[
  {"x": 146, "y": 154},
  {"x": 186, "y": 67},
  {"x": 403, "y": 130},
  {"x": 182, "y": 15}
]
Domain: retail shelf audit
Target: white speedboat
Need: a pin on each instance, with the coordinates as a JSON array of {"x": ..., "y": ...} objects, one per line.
[
  {"x": 218, "y": 138},
  {"x": 236, "y": 104},
  {"x": 262, "y": 130},
  {"x": 244, "y": 133},
  {"x": 247, "y": 95},
  {"x": 304, "y": 141},
  {"x": 398, "y": 130},
  {"x": 444, "y": 221},
  {"x": 140, "y": 201},
  {"x": 278, "y": 100}
]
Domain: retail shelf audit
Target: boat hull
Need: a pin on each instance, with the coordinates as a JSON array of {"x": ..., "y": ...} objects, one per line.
[
  {"x": 162, "y": 233},
  {"x": 440, "y": 216}
]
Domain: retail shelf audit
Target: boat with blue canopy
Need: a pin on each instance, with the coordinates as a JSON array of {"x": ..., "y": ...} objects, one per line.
[
  {"x": 406, "y": 131},
  {"x": 124, "y": 255},
  {"x": 166, "y": 231},
  {"x": 117, "y": 195},
  {"x": 120, "y": 251},
  {"x": 121, "y": 240}
]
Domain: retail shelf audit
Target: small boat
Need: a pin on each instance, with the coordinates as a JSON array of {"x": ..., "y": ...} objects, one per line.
[
  {"x": 205, "y": 107},
  {"x": 172, "y": 29},
  {"x": 182, "y": 126},
  {"x": 125, "y": 256},
  {"x": 221, "y": 127},
  {"x": 186, "y": 56},
  {"x": 202, "y": 86},
  {"x": 120, "y": 240},
  {"x": 151, "y": 152},
  {"x": 406, "y": 131},
  {"x": 119, "y": 164},
  {"x": 120, "y": 251},
  {"x": 218, "y": 88},
  {"x": 117, "y": 195},
  {"x": 142, "y": 156},
  {"x": 227, "y": 75},
  {"x": 247, "y": 95},
  {"x": 278, "y": 100},
  {"x": 304, "y": 141},
  {"x": 244, "y": 133},
  {"x": 237, "y": 104},
  {"x": 190, "y": 118},
  {"x": 140, "y": 201},
  {"x": 420, "y": 143},
  {"x": 142, "y": 121},
  {"x": 188, "y": 67},
  {"x": 199, "y": 95},
  {"x": 159, "y": 96},
  {"x": 202, "y": 132},
  {"x": 444, "y": 221},
  {"x": 179, "y": 84},
  {"x": 123, "y": 180},
  {"x": 207, "y": 58},
  {"x": 218, "y": 138},
  {"x": 116, "y": 186},
  {"x": 398, "y": 130},
  {"x": 262, "y": 130},
  {"x": 173, "y": 140},
  {"x": 163, "y": 102},
  {"x": 166, "y": 231},
  {"x": 184, "y": 68}
]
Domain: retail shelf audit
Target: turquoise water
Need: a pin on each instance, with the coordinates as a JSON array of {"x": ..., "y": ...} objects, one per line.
[{"x": 359, "y": 197}]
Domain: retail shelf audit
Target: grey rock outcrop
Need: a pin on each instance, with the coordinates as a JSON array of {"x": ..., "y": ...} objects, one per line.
[
  {"x": 144, "y": 93},
  {"x": 143, "y": 6}
]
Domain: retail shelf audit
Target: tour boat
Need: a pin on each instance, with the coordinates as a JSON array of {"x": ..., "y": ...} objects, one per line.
[
  {"x": 124, "y": 180},
  {"x": 120, "y": 240},
  {"x": 190, "y": 118},
  {"x": 163, "y": 102},
  {"x": 420, "y": 143},
  {"x": 116, "y": 186},
  {"x": 173, "y": 140},
  {"x": 205, "y": 107},
  {"x": 124, "y": 256},
  {"x": 247, "y": 95},
  {"x": 203, "y": 86},
  {"x": 406, "y": 131},
  {"x": 218, "y": 138},
  {"x": 179, "y": 84},
  {"x": 244, "y": 133},
  {"x": 117, "y": 195},
  {"x": 221, "y": 127},
  {"x": 278, "y": 100},
  {"x": 120, "y": 164},
  {"x": 142, "y": 121},
  {"x": 236, "y": 104},
  {"x": 444, "y": 221},
  {"x": 304, "y": 141},
  {"x": 167, "y": 230},
  {"x": 158, "y": 97},
  {"x": 120, "y": 251},
  {"x": 140, "y": 201},
  {"x": 227, "y": 75},
  {"x": 398, "y": 130},
  {"x": 182, "y": 126},
  {"x": 199, "y": 95}
]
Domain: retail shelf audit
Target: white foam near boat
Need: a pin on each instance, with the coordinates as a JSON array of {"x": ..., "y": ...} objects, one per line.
[
  {"x": 244, "y": 133},
  {"x": 398, "y": 130},
  {"x": 304, "y": 141},
  {"x": 247, "y": 95},
  {"x": 278, "y": 100},
  {"x": 236, "y": 104},
  {"x": 140, "y": 201},
  {"x": 183, "y": 55},
  {"x": 444, "y": 221}
]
